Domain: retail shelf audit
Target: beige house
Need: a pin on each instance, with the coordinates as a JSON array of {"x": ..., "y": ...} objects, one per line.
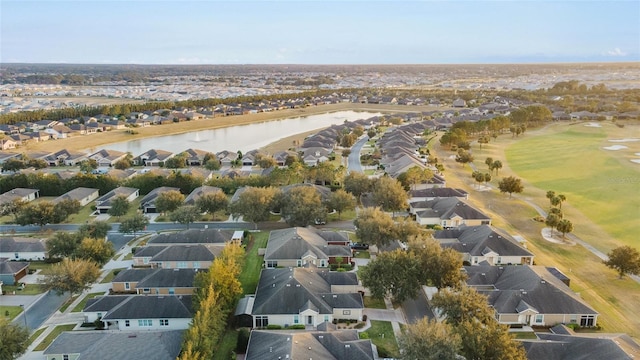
[{"x": 155, "y": 281}]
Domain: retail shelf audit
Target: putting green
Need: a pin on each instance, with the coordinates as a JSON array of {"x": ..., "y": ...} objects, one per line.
[{"x": 602, "y": 184}]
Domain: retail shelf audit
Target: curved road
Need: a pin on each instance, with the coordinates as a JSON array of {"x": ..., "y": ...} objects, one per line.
[{"x": 353, "y": 161}]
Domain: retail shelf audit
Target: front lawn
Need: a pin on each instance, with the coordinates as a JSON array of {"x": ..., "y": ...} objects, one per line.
[
  {"x": 53, "y": 335},
  {"x": 372, "y": 303},
  {"x": 381, "y": 334},
  {"x": 10, "y": 312},
  {"x": 35, "y": 335},
  {"x": 253, "y": 262},
  {"x": 29, "y": 289}
]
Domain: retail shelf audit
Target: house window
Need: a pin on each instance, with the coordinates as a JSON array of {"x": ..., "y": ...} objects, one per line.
[
  {"x": 99, "y": 315},
  {"x": 172, "y": 291},
  {"x": 164, "y": 322},
  {"x": 272, "y": 264},
  {"x": 65, "y": 357},
  {"x": 127, "y": 286},
  {"x": 486, "y": 222},
  {"x": 146, "y": 290},
  {"x": 145, "y": 323},
  {"x": 17, "y": 255},
  {"x": 323, "y": 263},
  {"x": 587, "y": 320},
  {"x": 326, "y": 318},
  {"x": 296, "y": 319},
  {"x": 539, "y": 318},
  {"x": 167, "y": 265},
  {"x": 145, "y": 260},
  {"x": 499, "y": 260},
  {"x": 196, "y": 264},
  {"x": 127, "y": 323},
  {"x": 299, "y": 263},
  {"x": 262, "y": 321},
  {"x": 346, "y": 312},
  {"x": 182, "y": 264}
]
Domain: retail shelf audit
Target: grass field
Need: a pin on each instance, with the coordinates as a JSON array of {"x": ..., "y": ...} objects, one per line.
[
  {"x": 10, "y": 312},
  {"x": 381, "y": 334},
  {"x": 602, "y": 184},
  {"x": 616, "y": 300},
  {"x": 253, "y": 263}
]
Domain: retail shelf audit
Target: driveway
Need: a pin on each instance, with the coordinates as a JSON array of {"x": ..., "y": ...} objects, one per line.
[
  {"x": 418, "y": 308},
  {"x": 385, "y": 315}
]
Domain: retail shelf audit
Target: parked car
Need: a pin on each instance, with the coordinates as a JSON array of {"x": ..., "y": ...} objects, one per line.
[{"x": 360, "y": 246}]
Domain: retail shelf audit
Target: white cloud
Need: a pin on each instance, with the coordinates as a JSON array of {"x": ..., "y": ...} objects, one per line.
[{"x": 616, "y": 52}]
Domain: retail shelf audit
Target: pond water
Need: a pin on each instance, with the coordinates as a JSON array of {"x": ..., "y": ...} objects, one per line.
[{"x": 242, "y": 137}]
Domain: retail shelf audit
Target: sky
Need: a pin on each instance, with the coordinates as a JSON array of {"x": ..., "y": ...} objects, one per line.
[{"x": 318, "y": 32}]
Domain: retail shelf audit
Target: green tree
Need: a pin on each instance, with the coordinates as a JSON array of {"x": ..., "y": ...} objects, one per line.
[
  {"x": 212, "y": 164},
  {"x": 302, "y": 205},
  {"x": 212, "y": 202},
  {"x": 552, "y": 221},
  {"x": 489, "y": 162},
  {"x": 95, "y": 230},
  {"x": 72, "y": 275},
  {"x": 464, "y": 157},
  {"x": 266, "y": 162},
  {"x": 462, "y": 305},
  {"x": 176, "y": 162},
  {"x": 510, "y": 185},
  {"x": 88, "y": 166},
  {"x": 14, "y": 341},
  {"x": 340, "y": 200},
  {"x": 254, "y": 204},
  {"x": 169, "y": 201},
  {"x": 63, "y": 244},
  {"x": 564, "y": 226},
  {"x": 624, "y": 260},
  {"x": 438, "y": 267},
  {"x": 124, "y": 163},
  {"x": 392, "y": 273},
  {"x": 65, "y": 208},
  {"x": 134, "y": 224},
  {"x": 357, "y": 184},
  {"x": 13, "y": 208},
  {"x": 185, "y": 214},
  {"x": 497, "y": 165},
  {"x": 418, "y": 175},
  {"x": 389, "y": 194},
  {"x": 119, "y": 206},
  {"x": 96, "y": 250},
  {"x": 375, "y": 227},
  {"x": 429, "y": 340},
  {"x": 40, "y": 213}
]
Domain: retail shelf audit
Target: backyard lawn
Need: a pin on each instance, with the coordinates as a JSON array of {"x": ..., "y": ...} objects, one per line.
[
  {"x": 381, "y": 334},
  {"x": 253, "y": 262}
]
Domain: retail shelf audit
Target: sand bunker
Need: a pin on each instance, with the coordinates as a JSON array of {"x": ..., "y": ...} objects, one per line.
[
  {"x": 637, "y": 161},
  {"x": 615, "y": 147},
  {"x": 593, "y": 125},
  {"x": 624, "y": 140}
]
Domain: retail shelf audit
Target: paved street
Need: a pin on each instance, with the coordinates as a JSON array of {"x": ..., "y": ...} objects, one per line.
[
  {"x": 353, "y": 161},
  {"x": 39, "y": 311}
]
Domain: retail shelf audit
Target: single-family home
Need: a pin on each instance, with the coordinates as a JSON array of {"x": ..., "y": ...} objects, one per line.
[
  {"x": 153, "y": 157},
  {"x": 12, "y": 271},
  {"x": 155, "y": 281},
  {"x": 21, "y": 194},
  {"x": 195, "y": 157},
  {"x": 6, "y": 155},
  {"x": 436, "y": 192},
  {"x": 187, "y": 256},
  {"x": 82, "y": 195},
  {"x": 339, "y": 344},
  {"x": 66, "y": 157},
  {"x": 148, "y": 202},
  {"x": 562, "y": 343},
  {"x": 448, "y": 213},
  {"x": 196, "y": 236},
  {"x": 301, "y": 246},
  {"x": 104, "y": 202},
  {"x": 106, "y": 157},
  {"x": 115, "y": 345},
  {"x": 305, "y": 296},
  {"x": 484, "y": 244},
  {"x": 16, "y": 248},
  {"x": 530, "y": 295},
  {"x": 199, "y": 192},
  {"x": 135, "y": 313}
]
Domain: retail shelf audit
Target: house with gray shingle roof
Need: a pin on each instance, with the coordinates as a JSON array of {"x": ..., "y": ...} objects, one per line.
[
  {"x": 115, "y": 345},
  {"x": 199, "y": 192},
  {"x": 484, "y": 244},
  {"x": 82, "y": 195},
  {"x": 448, "y": 213},
  {"x": 103, "y": 203},
  {"x": 564, "y": 344},
  {"x": 529, "y": 295},
  {"x": 148, "y": 202},
  {"x": 309, "y": 296},
  {"x": 22, "y": 194},
  {"x": 343, "y": 344},
  {"x": 12, "y": 271},
  {"x": 191, "y": 256},
  {"x": 135, "y": 313},
  {"x": 153, "y": 157},
  {"x": 436, "y": 192},
  {"x": 194, "y": 236},
  {"x": 155, "y": 281},
  {"x": 16, "y": 248},
  {"x": 107, "y": 157},
  {"x": 301, "y": 246}
]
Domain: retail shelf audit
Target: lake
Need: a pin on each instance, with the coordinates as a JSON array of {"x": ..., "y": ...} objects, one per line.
[{"x": 242, "y": 137}]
